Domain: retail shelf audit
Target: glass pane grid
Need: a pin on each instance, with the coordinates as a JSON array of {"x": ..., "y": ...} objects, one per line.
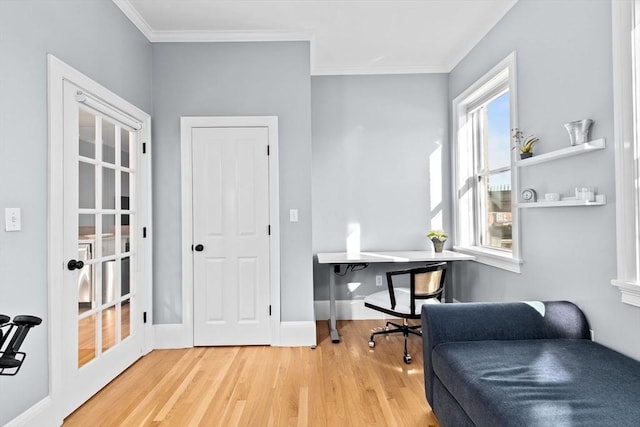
[
  {"x": 88, "y": 160},
  {"x": 106, "y": 210}
]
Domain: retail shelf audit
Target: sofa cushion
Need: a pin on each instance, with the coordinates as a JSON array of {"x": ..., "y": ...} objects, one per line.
[{"x": 546, "y": 382}]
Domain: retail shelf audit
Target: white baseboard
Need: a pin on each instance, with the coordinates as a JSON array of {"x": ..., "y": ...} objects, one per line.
[
  {"x": 173, "y": 335},
  {"x": 291, "y": 334},
  {"x": 42, "y": 414},
  {"x": 297, "y": 334},
  {"x": 348, "y": 310}
]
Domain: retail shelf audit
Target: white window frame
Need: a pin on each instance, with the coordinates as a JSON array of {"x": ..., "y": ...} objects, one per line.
[
  {"x": 626, "y": 96},
  {"x": 465, "y": 229}
]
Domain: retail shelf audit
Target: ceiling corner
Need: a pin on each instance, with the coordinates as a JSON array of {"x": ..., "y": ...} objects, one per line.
[{"x": 135, "y": 17}]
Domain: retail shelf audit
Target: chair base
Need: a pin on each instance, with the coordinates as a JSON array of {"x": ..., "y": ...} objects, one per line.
[{"x": 405, "y": 329}]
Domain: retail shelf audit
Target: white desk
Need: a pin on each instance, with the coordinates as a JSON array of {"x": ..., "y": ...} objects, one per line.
[{"x": 337, "y": 258}]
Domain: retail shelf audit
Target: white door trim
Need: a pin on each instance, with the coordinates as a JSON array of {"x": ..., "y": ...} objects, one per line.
[
  {"x": 187, "y": 124},
  {"x": 57, "y": 73}
]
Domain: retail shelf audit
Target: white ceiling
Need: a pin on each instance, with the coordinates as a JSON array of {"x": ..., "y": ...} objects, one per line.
[{"x": 347, "y": 36}]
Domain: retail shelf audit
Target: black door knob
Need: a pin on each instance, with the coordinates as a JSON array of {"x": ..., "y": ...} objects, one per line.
[
  {"x": 198, "y": 248},
  {"x": 75, "y": 265}
]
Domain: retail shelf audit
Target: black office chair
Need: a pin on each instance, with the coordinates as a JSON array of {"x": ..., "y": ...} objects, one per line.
[
  {"x": 426, "y": 286},
  {"x": 10, "y": 357}
]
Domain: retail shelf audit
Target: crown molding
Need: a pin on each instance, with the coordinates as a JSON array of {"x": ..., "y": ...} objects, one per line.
[
  {"x": 205, "y": 36},
  {"x": 274, "y": 36},
  {"x": 227, "y": 36},
  {"x": 377, "y": 69},
  {"x": 135, "y": 17}
]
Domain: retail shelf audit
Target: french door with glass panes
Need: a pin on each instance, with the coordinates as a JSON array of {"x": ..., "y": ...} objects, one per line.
[{"x": 102, "y": 289}]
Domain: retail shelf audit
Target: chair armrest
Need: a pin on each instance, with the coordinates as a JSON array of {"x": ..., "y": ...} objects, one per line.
[{"x": 443, "y": 323}]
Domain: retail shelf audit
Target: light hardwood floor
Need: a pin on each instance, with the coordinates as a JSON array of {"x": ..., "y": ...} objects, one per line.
[{"x": 345, "y": 384}]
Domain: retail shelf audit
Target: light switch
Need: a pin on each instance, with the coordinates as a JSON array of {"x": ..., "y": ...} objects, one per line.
[
  {"x": 293, "y": 215},
  {"x": 12, "y": 219}
]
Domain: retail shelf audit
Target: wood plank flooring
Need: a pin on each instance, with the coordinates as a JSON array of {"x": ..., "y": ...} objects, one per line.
[{"x": 345, "y": 384}]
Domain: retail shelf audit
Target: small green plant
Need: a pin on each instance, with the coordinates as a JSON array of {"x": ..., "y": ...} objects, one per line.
[
  {"x": 525, "y": 144},
  {"x": 438, "y": 235}
]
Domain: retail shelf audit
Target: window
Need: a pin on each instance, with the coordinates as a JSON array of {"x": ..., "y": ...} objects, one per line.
[
  {"x": 484, "y": 176},
  {"x": 626, "y": 79}
]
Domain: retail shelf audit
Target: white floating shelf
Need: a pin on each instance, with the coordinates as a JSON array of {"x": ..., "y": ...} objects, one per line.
[
  {"x": 597, "y": 144},
  {"x": 601, "y": 200}
]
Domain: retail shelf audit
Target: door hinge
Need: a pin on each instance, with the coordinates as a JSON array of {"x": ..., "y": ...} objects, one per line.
[
  {"x": 269, "y": 310},
  {"x": 268, "y": 150},
  {"x": 269, "y": 230},
  {"x": 144, "y": 317},
  {"x": 144, "y": 148},
  {"x": 144, "y": 232}
]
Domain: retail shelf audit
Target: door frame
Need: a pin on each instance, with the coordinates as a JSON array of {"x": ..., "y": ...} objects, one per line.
[
  {"x": 187, "y": 124},
  {"x": 57, "y": 73}
]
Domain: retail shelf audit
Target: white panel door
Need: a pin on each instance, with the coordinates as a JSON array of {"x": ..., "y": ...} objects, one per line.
[{"x": 230, "y": 234}]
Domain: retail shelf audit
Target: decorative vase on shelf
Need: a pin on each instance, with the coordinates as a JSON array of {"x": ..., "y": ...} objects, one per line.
[
  {"x": 525, "y": 155},
  {"x": 579, "y": 131},
  {"x": 438, "y": 244}
]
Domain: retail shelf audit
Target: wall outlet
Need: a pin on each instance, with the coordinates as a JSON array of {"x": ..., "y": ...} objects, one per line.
[{"x": 378, "y": 280}]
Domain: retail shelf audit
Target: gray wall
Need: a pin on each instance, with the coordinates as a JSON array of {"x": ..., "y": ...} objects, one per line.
[
  {"x": 378, "y": 145},
  {"x": 98, "y": 40},
  {"x": 564, "y": 72},
  {"x": 233, "y": 79}
]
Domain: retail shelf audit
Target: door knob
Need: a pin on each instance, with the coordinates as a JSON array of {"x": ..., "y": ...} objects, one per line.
[
  {"x": 75, "y": 265},
  {"x": 198, "y": 248}
]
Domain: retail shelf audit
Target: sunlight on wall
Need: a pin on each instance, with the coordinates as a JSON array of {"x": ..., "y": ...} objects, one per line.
[
  {"x": 435, "y": 188},
  {"x": 353, "y": 239},
  {"x": 352, "y": 286}
]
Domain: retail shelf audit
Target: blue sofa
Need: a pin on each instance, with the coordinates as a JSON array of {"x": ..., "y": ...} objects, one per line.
[{"x": 524, "y": 364}]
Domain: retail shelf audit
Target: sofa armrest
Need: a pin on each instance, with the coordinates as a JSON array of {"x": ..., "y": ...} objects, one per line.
[{"x": 442, "y": 323}]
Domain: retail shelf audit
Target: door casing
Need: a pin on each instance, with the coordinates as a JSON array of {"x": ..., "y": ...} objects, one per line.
[
  {"x": 187, "y": 124},
  {"x": 58, "y": 72}
]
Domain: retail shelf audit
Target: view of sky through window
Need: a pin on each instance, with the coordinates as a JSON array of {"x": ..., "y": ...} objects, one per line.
[{"x": 499, "y": 143}]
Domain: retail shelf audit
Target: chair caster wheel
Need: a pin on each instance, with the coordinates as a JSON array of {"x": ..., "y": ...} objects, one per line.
[
  {"x": 407, "y": 359},
  {"x": 372, "y": 343}
]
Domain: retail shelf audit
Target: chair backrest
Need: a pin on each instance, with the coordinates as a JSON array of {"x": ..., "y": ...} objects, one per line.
[
  {"x": 4, "y": 335},
  {"x": 425, "y": 282},
  {"x": 428, "y": 282}
]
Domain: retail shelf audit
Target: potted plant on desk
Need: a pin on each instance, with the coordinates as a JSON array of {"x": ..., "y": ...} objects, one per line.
[{"x": 438, "y": 237}]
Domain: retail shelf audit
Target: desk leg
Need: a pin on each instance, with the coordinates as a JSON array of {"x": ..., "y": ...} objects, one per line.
[
  {"x": 450, "y": 279},
  {"x": 335, "y": 338}
]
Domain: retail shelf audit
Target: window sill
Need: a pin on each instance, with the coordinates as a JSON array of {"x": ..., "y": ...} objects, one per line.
[
  {"x": 493, "y": 258},
  {"x": 630, "y": 292}
]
